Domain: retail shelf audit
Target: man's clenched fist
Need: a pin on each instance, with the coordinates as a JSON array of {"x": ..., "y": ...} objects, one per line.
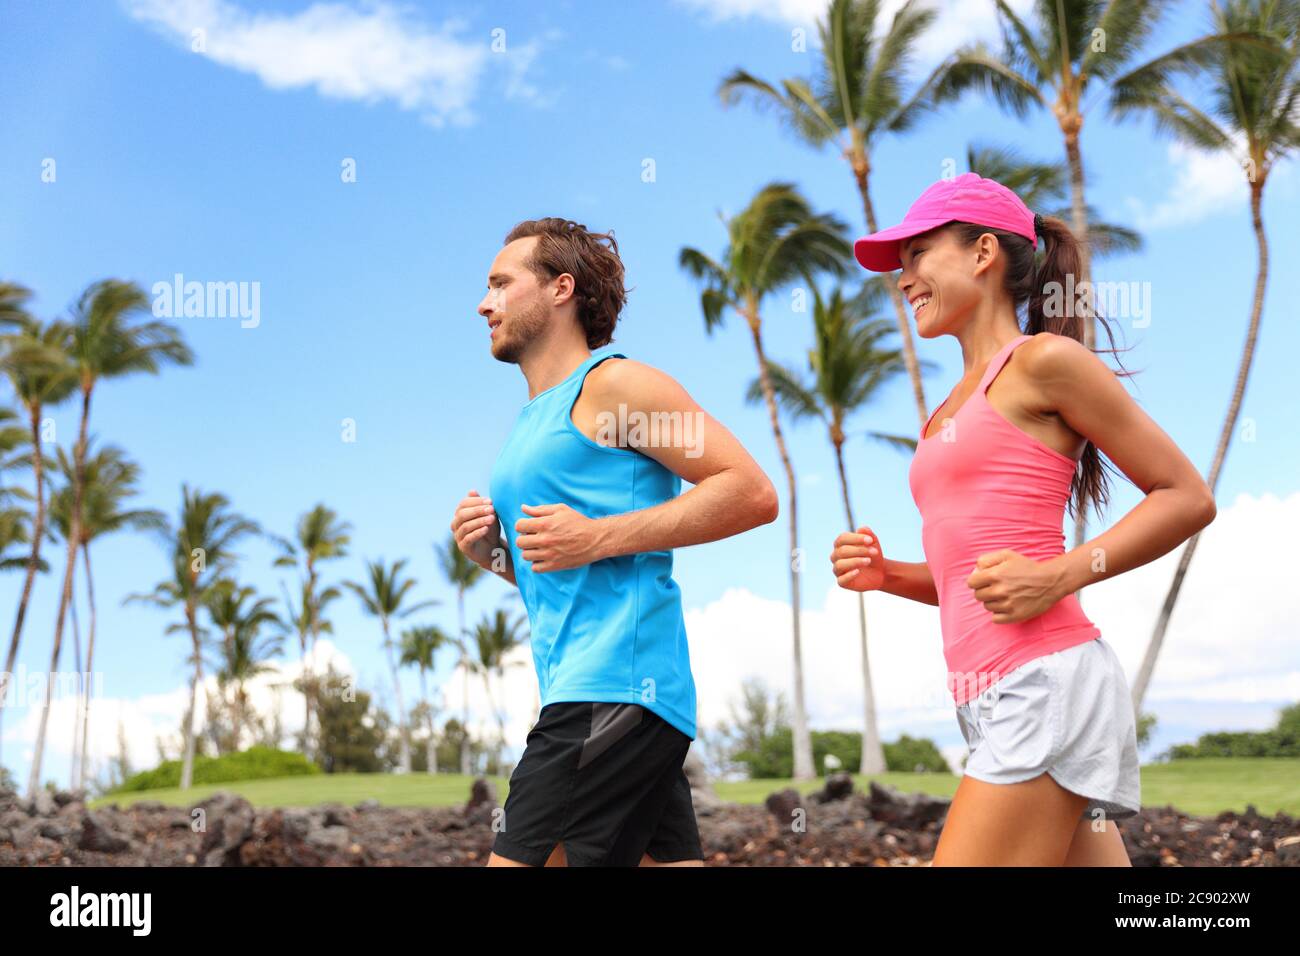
[
  {"x": 555, "y": 537},
  {"x": 478, "y": 533}
]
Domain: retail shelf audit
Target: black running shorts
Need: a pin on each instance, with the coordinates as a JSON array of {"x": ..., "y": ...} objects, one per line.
[{"x": 606, "y": 780}]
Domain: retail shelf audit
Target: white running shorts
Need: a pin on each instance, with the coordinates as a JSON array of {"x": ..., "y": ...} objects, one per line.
[{"x": 1069, "y": 714}]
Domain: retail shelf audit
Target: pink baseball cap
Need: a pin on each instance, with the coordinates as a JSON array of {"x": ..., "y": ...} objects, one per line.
[{"x": 968, "y": 198}]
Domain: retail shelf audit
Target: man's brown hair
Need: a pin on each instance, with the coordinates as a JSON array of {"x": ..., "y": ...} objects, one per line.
[{"x": 566, "y": 246}]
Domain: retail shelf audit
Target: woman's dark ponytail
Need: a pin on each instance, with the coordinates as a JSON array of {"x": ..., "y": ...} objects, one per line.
[
  {"x": 1049, "y": 285},
  {"x": 1057, "y": 302}
]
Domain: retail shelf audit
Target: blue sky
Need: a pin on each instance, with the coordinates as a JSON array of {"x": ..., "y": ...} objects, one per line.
[{"x": 224, "y": 164}]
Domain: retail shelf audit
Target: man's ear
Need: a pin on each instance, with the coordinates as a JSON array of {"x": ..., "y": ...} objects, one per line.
[{"x": 564, "y": 288}]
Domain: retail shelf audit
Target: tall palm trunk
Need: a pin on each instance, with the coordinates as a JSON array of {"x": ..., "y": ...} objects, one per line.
[
  {"x": 191, "y": 618},
  {"x": 33, "y": 561},
  {"x": 501, "y": 734},
  {"x": 309, "y": 685},
  {"x": 464, "y": 709},
  {"x": 803, "y": 754},
  {"x": 1143, "y": 679},
  {"x": 76, "y": 720},
  {"x": 430, "y": 750},
  {"x": 873, "y": 752},
  {"x": 861, "y": 172},
  {"x": 1079, "y": 225},
  {"x": 404, "y": 748},
  {"x": 34, "y": 779},
  {"x": 74, "y": 536},
  {"x": 306, "y": 689},
  {"x": 306, "y": 697},
  {"x": 241, "y": 712},
  {"x": 90, "y": 670}
]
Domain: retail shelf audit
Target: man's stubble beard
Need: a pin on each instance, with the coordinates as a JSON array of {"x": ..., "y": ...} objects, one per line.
[{"x": 525, "y": 329}]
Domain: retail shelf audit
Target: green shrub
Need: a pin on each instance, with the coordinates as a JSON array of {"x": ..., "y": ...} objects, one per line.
[
  {"x": 774, "y": 759},
  {"x": 913, "y": 754},
  {"x": 846, "y": 746},
  {"x": 255, "y": 763},
  {"x": 1282, "y": 741},
  {"x": 1265, "y": 743}
]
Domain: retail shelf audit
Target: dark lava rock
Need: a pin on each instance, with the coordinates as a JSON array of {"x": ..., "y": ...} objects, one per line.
[
  {"x": 481, "y": 791},
  {"x": 98, "y": 838},
  {"x": 784, "y": 805},
  {"x": 910, "y": 810},
  {"x": 839, "y": 786},
  {"x": 880, "y": 828},
  {"x": 227, "y": 823}
]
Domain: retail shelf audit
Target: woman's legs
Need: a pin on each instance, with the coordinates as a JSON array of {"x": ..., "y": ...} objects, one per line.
[
  {"x": 1097, "y": 847},
  {"x": 1033, "y": 823}
]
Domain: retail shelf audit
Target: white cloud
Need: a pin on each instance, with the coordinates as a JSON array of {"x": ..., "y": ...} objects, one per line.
[
  {"x": 370, "y": 53},
  {"x": 1200, "y": 184},
  {"x": 516, "y": 61},
  {"x": 146, "y": 720},
  {"x": 795, "y": 12},
  {"x": 959, "y": 21},
  {"x": 611, "y": 61}
]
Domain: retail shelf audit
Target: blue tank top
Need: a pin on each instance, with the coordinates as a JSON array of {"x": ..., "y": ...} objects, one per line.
[{"x": 611, "y": 631}]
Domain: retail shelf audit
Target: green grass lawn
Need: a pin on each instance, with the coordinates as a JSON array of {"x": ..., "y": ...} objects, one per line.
[{"x": 1200, "y": 787}]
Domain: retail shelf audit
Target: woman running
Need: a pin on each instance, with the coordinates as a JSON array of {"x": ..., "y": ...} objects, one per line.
[{"x": 1042, "y": 700}]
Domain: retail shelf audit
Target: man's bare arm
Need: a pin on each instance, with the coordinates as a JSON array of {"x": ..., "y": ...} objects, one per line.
[{"x": 731, "y": 494}]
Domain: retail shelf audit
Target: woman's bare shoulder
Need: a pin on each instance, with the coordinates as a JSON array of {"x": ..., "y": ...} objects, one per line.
[{"x": 1052, "y": 357}]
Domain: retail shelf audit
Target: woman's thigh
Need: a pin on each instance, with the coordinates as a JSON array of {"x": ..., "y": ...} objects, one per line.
[
  {"x": 1093, "y": 847},
  {"x": 1009, "y": 824}
]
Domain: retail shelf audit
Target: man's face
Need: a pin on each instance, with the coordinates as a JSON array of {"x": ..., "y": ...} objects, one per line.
[{"x": 515, "y": 305}]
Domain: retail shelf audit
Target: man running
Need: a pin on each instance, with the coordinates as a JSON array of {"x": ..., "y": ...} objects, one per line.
[{"x": 585, "y": 499}]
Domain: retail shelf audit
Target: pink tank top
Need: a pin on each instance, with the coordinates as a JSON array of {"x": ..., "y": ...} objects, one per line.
[{"x": 981, "y": 484}]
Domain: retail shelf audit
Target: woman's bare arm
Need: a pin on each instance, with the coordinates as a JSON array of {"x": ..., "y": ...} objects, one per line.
[
  {"x": 860, "y": 566},
  {"x": 911, "y": 580},
  {"x": 1177, "y": 503}
]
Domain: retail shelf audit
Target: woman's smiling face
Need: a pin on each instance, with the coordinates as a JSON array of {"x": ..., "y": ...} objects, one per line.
[{"x": 941, "y": 279}]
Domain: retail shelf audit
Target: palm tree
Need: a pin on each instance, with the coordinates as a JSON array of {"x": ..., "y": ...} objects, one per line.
[
  {"x": 1253, "y": 99},
  {"x": 110, "y": 479},
  {"x": 300, "y": 621},
  {"x": 36, "y": 361},
  {"x": 202, "y": 552},
  {"x": 855, "y": 99},
  {"x": 14, "y": 519},
  {"x": 320, "y": 537},
  {"x": 382, "y": 597},
  {"x": 1072, "y": 48},
  {"x": 462, "y": 574},
  {"x": 14, "y": 454},
  {"x": 105, "y": 344},
  {"x": 495, "y": 638},
  {"x": 419, "y": 647},
  {"x": 777, "y": 240},
  {"x": 13, "y": 532},
  {"x": 1042, "y": 186},
  {"x": 849, "y": 365},
  {"x": 13, "y": 304},
  {"x": 245, "y": 652}
]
